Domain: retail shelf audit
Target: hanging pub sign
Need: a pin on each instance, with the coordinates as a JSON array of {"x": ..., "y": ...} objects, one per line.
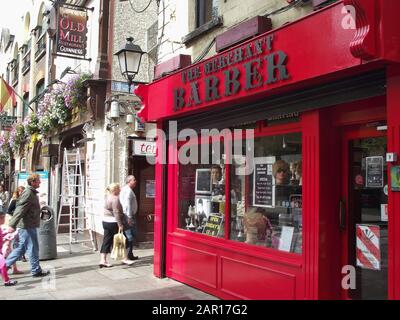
[{"x": 72, "y": 31}]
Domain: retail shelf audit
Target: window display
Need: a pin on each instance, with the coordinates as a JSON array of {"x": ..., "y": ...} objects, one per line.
[
  {"x": 202, "y": 197},
  {"x": 266, "y": 206}
]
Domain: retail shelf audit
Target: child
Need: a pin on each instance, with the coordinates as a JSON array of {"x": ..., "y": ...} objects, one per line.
[{"x": 3, "y": 267}]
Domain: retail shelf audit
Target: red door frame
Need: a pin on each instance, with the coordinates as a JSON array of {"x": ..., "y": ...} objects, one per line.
[{"x": 349, "y": 134}]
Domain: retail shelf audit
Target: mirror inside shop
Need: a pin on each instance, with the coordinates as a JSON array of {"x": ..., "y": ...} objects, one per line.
[{"x": 265, "y": 194}]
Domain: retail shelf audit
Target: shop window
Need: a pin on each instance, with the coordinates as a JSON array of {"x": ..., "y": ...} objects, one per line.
[
  {"x": 206, "y": 10},
  {"x": 266, "y": 203},
  {"x": 201, "y": 195}
]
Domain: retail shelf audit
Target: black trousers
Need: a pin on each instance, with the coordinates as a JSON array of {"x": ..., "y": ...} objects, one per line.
[{"x": 110, "y": 229}]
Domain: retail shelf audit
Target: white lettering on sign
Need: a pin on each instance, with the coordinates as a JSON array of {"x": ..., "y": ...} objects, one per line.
[{"x": 144, "y": 148}]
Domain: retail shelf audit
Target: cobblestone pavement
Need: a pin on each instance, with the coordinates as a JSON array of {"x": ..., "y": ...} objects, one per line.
[{"x": 77, "y": 276}]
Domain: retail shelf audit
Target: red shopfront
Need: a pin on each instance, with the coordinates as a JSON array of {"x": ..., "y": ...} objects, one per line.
[{"x": 323, "y": 102}]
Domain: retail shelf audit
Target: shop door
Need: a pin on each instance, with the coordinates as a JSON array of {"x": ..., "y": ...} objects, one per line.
[
  {"x": 144, "y": 191},
  {"x": 363, "y": 213}
]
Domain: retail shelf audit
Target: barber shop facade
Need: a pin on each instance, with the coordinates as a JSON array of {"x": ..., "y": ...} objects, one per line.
[{"x": 313, "y": 212}]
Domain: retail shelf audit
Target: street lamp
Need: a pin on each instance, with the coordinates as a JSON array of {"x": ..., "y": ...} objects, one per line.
[{"x": 129, "y": 60}]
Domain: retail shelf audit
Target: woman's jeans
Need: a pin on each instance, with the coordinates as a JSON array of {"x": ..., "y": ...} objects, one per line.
[{"x": 28, "y": 241}]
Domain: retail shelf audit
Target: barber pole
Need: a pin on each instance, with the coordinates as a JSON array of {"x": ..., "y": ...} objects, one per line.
[{"x": 368, "y": 247}]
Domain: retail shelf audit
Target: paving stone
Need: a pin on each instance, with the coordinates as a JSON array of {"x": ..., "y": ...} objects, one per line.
[{"x": 78, "y": 276}]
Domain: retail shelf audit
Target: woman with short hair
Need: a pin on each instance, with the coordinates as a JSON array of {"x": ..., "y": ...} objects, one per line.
[{"x": 112, "y": 223}]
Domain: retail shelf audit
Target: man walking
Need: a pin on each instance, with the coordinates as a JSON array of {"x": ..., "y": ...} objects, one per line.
[
  {"x": 129, "y": 205},
  {"x": 27, "y": 218}
]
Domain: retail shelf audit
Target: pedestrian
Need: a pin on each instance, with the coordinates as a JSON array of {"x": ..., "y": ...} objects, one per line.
[
  {"x": 3, "y": 267},
  {"x": 112, "y": 223},
  {"x": 130, "y": 207},
  {"x": 4, "y": 198},
  {"x": 6, "y": 247},
  {"x": 27, "y": 217},
  {"x": 11, "y": 208},
  {"x": 13, "y": 202}
]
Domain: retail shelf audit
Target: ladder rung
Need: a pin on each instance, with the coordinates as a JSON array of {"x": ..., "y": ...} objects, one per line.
[
  {"x": 63, "y": 224},
  {"x": 82, "y": 218},
  {"x": 80, "y": 241},
  {"x": 75, "y": 196}
]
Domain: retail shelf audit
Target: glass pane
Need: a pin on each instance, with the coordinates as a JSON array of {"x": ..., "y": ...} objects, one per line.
[
  {"x": 368, "y": 243},
  {"x": 202, "y": 193},
  {"x": 266, "y": 205}
]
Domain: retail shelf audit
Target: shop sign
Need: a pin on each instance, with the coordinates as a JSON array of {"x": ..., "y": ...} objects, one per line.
[
  {"x": 257, "y": 63},
  {"x": 6, "y": 122},
  {"x": 71, "y": 31},
  {"x": 374, "y": 172},
  {"x": 49, "y": 150},
  {"x": 144, "y": 148},
  {"x": 213, "y": 225},
  {"x": 368, "y": 247}
]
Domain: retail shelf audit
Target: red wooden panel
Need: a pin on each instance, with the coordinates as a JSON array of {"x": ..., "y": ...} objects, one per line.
[
  {"x": 393, "y": 121},
  {"x": 259, "y": 283},
  {"x": 242, "y": 31},
  {"x": 194, "y": 264},
  {"x": 178, "y": 62}
]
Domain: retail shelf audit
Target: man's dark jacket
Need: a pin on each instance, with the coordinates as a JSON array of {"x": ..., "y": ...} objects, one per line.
[{"x": 27, "y": 212}]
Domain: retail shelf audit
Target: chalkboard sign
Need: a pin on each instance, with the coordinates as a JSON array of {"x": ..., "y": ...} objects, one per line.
[
  {"x": 374, "y": 172},
  {"x": 263, "y": 182},
  {"x": 203, "y": 181},
  {"x": 213, "y": 225}
]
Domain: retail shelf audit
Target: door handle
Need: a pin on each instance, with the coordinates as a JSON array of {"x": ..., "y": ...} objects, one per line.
[{"x": 342, "y": 214}]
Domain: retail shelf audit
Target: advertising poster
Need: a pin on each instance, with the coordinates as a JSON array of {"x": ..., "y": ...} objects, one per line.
[
  {"x": 263, "y": 182},
  {"x": 285, "y": 241},
  {"x": 213, "y": 225},
  {"x": 150, "y": 188},
  {"x": 44, "y": 186},
  {"x": 395, "y": 178},
  {"x": 374, "y": 172},
  {"x": 368, "y": 251},
  {"x": 384, "y": 212}
]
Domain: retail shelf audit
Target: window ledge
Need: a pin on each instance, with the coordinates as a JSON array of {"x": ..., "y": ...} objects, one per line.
[
  {"x": 39, "y": 54},
  {"x": 215, "y": 22}
]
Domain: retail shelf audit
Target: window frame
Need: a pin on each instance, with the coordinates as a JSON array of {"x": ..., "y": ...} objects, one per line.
[{"x": 173, "y": 208}]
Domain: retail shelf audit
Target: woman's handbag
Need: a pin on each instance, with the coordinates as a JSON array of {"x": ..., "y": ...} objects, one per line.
[{"x": 118, "y": 252}]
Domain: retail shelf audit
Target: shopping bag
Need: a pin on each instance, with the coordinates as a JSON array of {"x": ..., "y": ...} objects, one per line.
[{"x": 118, "y": 252}]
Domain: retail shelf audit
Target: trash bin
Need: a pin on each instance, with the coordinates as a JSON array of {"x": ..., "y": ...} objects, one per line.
[{"x": 47, "y": 234}]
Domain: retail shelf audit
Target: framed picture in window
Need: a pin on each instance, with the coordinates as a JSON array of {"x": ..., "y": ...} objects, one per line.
[
  {"x": 203, "y": 181},
  {"x": 203, "y": 205}
]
